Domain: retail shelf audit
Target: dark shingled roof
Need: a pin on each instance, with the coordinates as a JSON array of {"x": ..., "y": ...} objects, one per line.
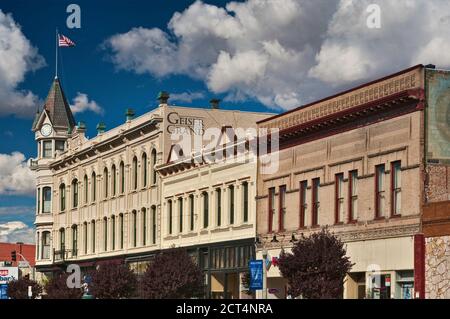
[{"x": 57, "y": 107}]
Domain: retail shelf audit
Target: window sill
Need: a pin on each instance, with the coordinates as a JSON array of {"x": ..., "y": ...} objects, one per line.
[
  {"x": 396, "y": 216},
  {"x": 380, "y": 218},
  {"x": 353, "y": 221},
  {"x": 338, "y": 223}
]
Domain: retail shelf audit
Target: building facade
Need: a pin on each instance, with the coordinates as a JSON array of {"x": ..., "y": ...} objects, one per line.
[
  {"x": 104, "y": 199},
  {"x": 208, "y": 206},
  {"x": 355, "y": 162}
]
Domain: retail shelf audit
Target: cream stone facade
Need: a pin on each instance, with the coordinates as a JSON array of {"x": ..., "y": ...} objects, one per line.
[
  {"x": 353, "y": 162},
  {"x": 104, "y": 198}
]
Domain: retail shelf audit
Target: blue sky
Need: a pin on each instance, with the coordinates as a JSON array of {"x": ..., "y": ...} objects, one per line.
[{"x": 258, "y": 55}]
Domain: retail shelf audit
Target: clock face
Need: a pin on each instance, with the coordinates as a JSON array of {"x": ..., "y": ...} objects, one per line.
[{"x": 46, "y": 130}]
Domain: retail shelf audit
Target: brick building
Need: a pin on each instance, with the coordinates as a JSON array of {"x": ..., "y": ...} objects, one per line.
[{"x": 366, "y": 163}]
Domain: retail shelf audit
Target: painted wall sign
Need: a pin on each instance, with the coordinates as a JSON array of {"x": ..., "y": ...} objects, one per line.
[{"x": 180, "y": 124}]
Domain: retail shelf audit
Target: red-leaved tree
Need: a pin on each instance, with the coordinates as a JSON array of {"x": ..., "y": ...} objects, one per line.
[
  {"x": 57, "y": 288},
  {"x": 113, "y": 281},
  {"x": 317, "y": 266},
  {"x": 18, "y": 289},
  {"x": 172, "y": 274}
]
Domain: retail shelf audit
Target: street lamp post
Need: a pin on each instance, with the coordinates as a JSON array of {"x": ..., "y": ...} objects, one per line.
[{"x": 264, "y": 255}]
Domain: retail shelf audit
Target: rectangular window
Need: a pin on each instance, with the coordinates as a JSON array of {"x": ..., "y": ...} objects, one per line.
[
  {"x": 245, "y": 199},
  {"x": 62, "y": 197},
  {"x": 282, "y": 208},
  {"x": 38, "y": 201},
  {"x": 396, "y": 190},
  {"x": 339, "y": 198},
  {"x": 379, "y": 191},
  {"x": 219, "y": 206},
  {"x": 180, "y": 212},
  {"x": 191, "y": 210},
  {"x": 205, "y": 210},
  {"x": 353, "y": 196},
  {"x": 60, "y": 146},
  {"x": 303, "y": 187},
  {"x": 169, "y": 213},
  {"x": 47, "y": 152},
  {"x": 231, "y": 201},
  {"x": 315, "y": 201},
  {"x": 271, "y": 208},
  {"x": 121, "y": 230}
]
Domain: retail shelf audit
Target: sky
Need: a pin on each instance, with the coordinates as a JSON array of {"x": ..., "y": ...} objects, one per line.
[{"x": 254, "y": 55}]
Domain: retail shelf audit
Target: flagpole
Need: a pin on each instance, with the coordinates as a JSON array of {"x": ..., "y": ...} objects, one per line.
[{"x": 56, "y": 61}]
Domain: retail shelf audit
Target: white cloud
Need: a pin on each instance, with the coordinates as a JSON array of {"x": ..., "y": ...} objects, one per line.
[
  {"x": 186, "y": 97},
  {"x": 16, "y": 231},
  {"x": 15, "y": 177},
  {"x": 17, "y": 58},
  {"x": 287, "y": 52},
  {"x": 81, "y": 103}
]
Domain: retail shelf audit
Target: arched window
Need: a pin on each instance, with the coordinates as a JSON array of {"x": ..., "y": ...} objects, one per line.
[
  {"x": 85, "y": 240},
  {"x": 46, "y": 199},
  {"x": 153, "y": 224},
  {"x": 93, "y": 231},
  {"x": 144, "y": 226},
  {"x": 135, "y": 173},
  {"x": 105, "y": 183},
  {"x": 144, "y": 170},
  {"x": 62, "y": 241},
  {"x": 62, "y": 197},
  {"x": 122, "y": 177},
  {"x": 75, "y": 193},
  {"x": 152, "y": 164},
  {"x": 205, "y": 209},
  {"x": 45, "y": 253},
  {"x": 114, "y": 180},
  {"x": 74, "y": 240},
  {"x": 94, "y": 187},
  {"x": 113, "y": 232},
  {"x": 121, "y": 225},
  {"x": 105, "y": 234},
  {"x": 86, "y": 189},
  {"x": 134, "y": 217}
]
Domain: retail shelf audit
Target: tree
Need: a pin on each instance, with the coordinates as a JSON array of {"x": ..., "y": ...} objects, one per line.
[
  {"x": 317, "y": 266},
  {"x": 113, "y": 281},
  {"x": 18, "y": 289},
  {"x": 56, "y": 288},
  {"x": 173, "y": 274}
]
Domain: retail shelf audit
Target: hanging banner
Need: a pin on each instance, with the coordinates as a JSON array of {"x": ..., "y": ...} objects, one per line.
[{"x": 256, "y": 274}]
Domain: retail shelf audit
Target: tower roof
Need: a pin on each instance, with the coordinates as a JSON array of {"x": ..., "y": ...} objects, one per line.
[{"x": 57, "y": 107}]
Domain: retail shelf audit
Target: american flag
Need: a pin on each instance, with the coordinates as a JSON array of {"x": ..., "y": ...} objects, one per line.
[{"x": 65, "y": 41}]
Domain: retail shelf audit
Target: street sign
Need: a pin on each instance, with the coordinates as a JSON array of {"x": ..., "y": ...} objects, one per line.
[
  {"x": 23, "y": 264},
  {"x": 256, "y": 274}
]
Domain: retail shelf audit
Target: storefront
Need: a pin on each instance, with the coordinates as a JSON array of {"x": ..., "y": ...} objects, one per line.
[{"x": 224, "y": 265}]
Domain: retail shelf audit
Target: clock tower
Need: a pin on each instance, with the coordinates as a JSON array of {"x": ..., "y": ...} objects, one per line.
[{"x": 52, "y": 127}]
